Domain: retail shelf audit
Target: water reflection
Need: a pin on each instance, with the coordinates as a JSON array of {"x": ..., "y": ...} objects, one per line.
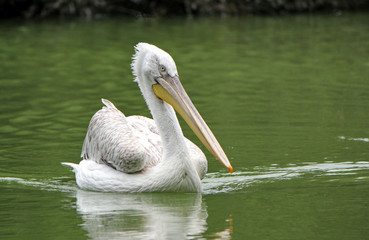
[
  {"x": 185, "y": 215},
  {"x": 142, "y": 216}
]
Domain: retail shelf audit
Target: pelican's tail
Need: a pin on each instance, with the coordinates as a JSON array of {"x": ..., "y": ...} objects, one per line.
[{"x": 72, "y": 165}]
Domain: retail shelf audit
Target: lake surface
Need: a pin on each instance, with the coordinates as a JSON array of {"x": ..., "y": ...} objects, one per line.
[{"x": 287, "y": 98}]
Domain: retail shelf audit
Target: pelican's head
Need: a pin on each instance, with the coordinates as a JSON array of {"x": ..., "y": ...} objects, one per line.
[
  {"x": 153, "y": 63},
  {"x": 156, "y": 72}
]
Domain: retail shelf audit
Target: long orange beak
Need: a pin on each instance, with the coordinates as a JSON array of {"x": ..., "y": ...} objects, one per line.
[{"x": 171, "y": 91}]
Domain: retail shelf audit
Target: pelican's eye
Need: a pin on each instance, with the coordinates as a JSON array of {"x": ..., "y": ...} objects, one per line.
[{"x": 162, "y": 69}]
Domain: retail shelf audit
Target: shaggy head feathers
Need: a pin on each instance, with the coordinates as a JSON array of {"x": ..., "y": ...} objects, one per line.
[{"x": 147, "y": 60}]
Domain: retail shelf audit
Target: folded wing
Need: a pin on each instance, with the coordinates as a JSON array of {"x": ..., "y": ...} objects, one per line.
[{"x": 127, "y": 144}]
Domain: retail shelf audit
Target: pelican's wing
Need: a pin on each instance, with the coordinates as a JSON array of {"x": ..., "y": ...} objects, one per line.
[{"x": 127, "y": 144}]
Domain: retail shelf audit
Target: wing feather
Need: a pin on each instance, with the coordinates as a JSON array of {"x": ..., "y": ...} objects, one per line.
[{"x": 127, "y": 144}]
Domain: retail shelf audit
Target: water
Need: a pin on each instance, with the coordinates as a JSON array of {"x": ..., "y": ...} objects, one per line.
[{"x": 287, "y": 98}]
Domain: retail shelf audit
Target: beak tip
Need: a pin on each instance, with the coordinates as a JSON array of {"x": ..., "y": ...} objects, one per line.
[{"x": 230, "y": 169}]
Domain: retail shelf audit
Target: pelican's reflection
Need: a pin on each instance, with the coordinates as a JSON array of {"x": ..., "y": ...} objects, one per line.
[{"x": 142, "y": 216}]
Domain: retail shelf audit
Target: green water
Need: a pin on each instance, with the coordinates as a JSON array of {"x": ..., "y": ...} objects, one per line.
[{"x": 287, "y": 97}]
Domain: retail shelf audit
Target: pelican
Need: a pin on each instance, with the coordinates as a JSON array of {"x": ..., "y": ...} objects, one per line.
[{"x": 138, "y": 154}]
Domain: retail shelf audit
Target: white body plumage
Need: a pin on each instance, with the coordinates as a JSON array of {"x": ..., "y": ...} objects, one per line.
[{"x": 135, "y": 140}]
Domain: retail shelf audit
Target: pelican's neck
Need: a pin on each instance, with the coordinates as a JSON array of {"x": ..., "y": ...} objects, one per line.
[
  {"x": 166, "y": 121},
  {"x": 169, "y": 128}
]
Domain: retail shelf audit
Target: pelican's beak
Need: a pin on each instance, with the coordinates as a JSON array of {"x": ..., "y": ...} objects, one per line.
[{"x": 171, "y": 91}]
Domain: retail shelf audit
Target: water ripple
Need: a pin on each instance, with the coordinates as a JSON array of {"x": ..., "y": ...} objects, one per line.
[
  {"x": 217, "y": 182},
  {"x": 354, "y": 139},
  {"x": 55, "y": 184},
  {"x": 226, "y": 182}
]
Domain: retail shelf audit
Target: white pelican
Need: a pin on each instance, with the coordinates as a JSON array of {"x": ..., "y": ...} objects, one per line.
[{"x": 138, "y": 154}]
